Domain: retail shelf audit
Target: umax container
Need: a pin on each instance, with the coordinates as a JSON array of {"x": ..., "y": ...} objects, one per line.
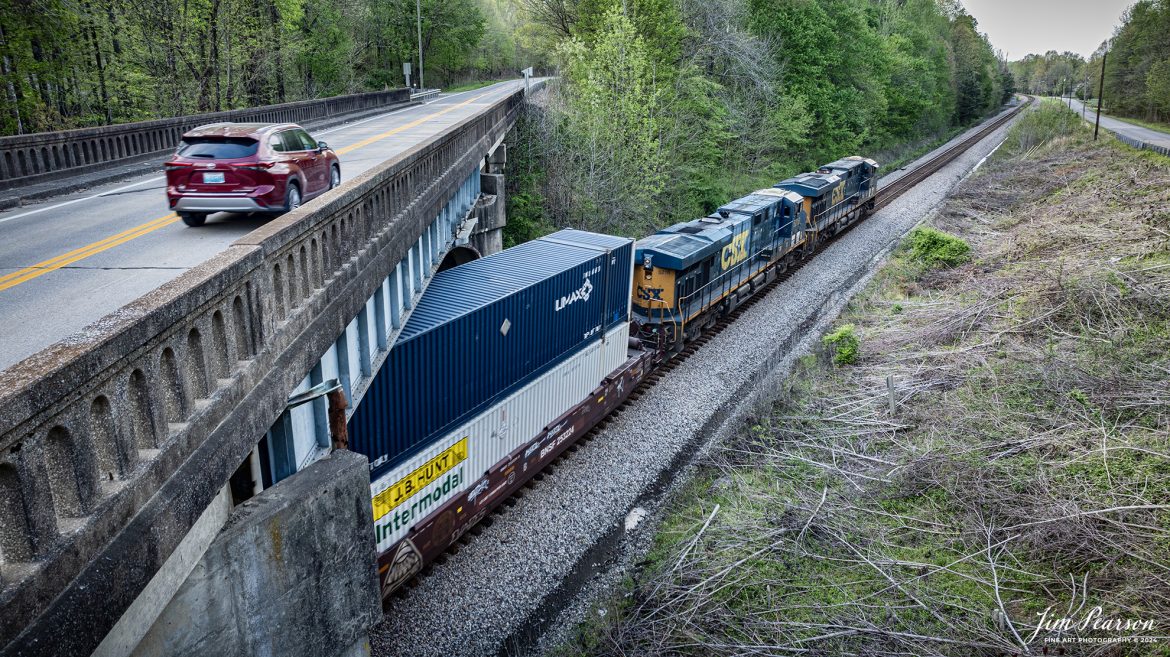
[{"x": 486, "y": 328}]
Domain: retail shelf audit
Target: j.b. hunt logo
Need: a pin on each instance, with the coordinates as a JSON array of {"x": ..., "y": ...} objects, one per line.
[
  {"x": 580, "y": 294},
  {"x": 405, "y": 515}
]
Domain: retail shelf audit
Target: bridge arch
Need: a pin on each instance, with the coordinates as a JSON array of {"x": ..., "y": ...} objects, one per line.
[{"x": 459, "y": 255}]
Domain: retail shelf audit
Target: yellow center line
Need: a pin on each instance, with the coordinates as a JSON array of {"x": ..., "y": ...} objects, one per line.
[
  {"x": 64, "y": 256},
  {"x": 40, "y": 269},
  {"x": 25, "y": 274},
  {"x": 407, "y": 126}
]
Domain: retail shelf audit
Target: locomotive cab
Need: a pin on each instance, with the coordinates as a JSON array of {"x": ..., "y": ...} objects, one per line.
[{"x": 859, "y": 174}]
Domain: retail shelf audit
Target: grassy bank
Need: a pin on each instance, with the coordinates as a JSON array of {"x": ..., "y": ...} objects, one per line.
[{"x": 993, "y": 447}]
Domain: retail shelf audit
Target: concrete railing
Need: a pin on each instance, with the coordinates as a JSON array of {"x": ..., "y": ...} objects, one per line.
[
  {"x": 27, "y": 159},
  {"x": 113, "y": 442},
  {"x": 424, "y": 94}
]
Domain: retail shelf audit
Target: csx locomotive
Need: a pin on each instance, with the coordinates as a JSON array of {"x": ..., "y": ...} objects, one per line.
[{"x": 689, "y": 275}]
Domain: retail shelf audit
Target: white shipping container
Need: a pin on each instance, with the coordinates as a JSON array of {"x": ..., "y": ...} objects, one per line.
[{"x": 451, "y": 464}]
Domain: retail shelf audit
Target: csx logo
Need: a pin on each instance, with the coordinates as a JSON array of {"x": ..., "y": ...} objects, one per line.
[
  {"x": 736, "y": 252},
  {"x": 838, "y": 195},
  {"x": 650, "y": 294}
]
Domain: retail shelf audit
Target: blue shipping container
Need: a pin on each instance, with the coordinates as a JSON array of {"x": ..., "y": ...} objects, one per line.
[{"x": 483, "y": 329}]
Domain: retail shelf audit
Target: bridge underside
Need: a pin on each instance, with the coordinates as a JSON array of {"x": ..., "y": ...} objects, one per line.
[
  {"x": 459, "y": 255},
  {"x": 302, "y": 435}
]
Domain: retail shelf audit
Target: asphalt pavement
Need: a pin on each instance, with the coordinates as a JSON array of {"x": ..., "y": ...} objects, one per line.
[
  {"x": 72, "y": 259},
  {"x": 1131, "y": 130}
]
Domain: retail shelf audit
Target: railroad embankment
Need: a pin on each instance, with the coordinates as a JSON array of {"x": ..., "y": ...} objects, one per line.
[{"x": 977, "y": 462}]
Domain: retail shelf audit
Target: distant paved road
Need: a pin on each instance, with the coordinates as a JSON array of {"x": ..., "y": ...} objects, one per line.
[
  {"x": 1128, "y": 129},
  {"x": 70, "y": 260}
]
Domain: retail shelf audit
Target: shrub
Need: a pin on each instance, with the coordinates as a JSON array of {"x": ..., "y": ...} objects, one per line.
[
  {"x": 1049, "y": 121},
  {"x": 844, "y": 343},
  {"x": 934, "y": 247}
]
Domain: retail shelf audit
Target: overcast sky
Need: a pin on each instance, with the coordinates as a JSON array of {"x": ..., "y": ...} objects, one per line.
[{"x": 1019, "y": 27}]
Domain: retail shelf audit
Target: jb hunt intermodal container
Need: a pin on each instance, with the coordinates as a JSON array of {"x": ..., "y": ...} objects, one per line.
[
  {"x": 483, "y": 330},
  {"x": 478, "y": 459}
]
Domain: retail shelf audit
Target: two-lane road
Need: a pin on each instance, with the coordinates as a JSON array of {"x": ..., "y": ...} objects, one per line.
[
  {"x": 1130, "y": 130},
  {"x": 69, "y": 261}
]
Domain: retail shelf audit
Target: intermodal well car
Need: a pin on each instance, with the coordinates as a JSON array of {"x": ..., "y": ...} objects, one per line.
[
  {"x": 508, "y": 361},
  {"x": 248, "y": 167}
]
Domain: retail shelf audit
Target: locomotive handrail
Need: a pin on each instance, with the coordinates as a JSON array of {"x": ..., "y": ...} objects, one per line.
[
  {"x": 685, "y": 301},
  {"x": 727, "y": 274},
  {"x": 844, "y": 201}
]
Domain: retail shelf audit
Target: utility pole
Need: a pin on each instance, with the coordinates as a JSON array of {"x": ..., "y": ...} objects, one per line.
[
  {"x": 1100, "y": 93},
  {"x": 418, "y": 16}
]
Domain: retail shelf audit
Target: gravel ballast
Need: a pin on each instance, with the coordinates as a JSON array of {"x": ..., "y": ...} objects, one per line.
[{"x": 527, "y": 579}]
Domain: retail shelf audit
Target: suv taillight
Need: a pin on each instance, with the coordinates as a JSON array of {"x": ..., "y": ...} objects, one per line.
[{"x": 255, "y": 166}]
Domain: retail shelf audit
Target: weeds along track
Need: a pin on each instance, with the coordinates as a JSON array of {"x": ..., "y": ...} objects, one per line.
[{"x": 669, "y": 363}]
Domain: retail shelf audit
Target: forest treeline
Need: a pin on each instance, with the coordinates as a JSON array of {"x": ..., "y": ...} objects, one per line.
[
  {"x": 77, "y": 63},
  {"x": 666, "y": 109},
  {"x": 1137, "y": 68}
]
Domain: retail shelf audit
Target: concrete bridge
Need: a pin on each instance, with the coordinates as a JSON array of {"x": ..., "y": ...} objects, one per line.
[{"x": 120, "y": 445}]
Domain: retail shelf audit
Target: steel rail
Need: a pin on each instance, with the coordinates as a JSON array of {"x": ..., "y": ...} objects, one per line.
[{"x": 924, "y": 170}]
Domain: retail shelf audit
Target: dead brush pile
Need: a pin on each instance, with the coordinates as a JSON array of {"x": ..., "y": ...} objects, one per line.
[{"x": 1024, "y": 469}]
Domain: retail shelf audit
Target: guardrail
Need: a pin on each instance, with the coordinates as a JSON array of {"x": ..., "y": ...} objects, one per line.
[
  {"x": 424, "y": 94},
  {"x": 113, "y": 442},
  {"x": 28, "y": 159},
  {"x": 1141, "y": 145}
]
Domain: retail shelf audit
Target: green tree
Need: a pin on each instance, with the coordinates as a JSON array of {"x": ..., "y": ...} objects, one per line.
[
  {"x": 610, "y": 115},
  {"x": 1138, "y": 47},
  {"x": 1158, "y": 87},
  {"x": 91, "y": 62},
  {"x": 733, "y": 95}
]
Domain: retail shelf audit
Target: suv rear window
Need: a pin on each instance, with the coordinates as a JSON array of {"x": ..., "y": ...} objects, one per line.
[{"x": 218, "y": 148}]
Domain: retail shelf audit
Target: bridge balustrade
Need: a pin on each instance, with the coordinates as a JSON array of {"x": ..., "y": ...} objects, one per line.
[{"x": 27, "y": 159}]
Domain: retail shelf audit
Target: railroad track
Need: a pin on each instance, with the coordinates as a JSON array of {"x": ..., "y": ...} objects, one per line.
[
  {"x": 884, "y": 197},
  {"x": 923, "y": 171}
]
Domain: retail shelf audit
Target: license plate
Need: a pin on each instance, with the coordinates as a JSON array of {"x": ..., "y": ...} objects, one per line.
[{"x": 213, "y": 177}]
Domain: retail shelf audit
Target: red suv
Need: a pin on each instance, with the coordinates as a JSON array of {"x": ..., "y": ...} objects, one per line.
[{"x": 248, "y": 167}]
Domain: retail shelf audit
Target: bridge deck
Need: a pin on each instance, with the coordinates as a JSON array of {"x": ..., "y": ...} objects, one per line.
[{"x": 67, "y": 262}]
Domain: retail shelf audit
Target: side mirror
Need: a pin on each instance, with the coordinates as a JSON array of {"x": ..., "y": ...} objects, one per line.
[{"x": 322, "y": 145}]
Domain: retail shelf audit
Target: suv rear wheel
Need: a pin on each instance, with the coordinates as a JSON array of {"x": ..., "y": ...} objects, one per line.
[
  {"x": 193, "y": 219},
  {"x": 292, "y": 197}
]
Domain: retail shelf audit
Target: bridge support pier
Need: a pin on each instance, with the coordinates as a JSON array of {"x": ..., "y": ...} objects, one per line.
[
  {"x": 488, "y": 237},
  {"x": 292, "y": 574}
]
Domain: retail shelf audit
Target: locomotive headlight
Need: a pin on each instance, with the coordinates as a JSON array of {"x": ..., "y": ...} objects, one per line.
[{"x": 647, "y": 261}]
